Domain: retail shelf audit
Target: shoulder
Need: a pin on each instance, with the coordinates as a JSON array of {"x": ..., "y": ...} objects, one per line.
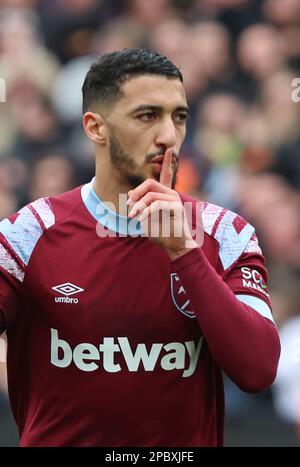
[
  {"x": 20, "y": 232},
  {"x": 232, "y": 233}
]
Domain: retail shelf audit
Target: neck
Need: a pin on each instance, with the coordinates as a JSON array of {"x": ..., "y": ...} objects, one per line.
[{"x": 109, "y": 187}]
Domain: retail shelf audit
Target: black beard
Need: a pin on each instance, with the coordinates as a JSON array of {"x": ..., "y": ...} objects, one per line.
[{"x": 126, "y": 166}]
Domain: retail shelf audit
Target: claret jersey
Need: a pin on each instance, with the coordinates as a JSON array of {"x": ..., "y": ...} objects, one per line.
[{"x": 104, "y": 348}]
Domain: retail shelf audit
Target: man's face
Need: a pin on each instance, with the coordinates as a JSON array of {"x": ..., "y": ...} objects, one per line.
[{"x": 149, "y": 118}]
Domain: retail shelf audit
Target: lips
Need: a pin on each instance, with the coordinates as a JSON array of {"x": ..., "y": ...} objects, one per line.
[
  {"x": 158, "y": 159},
  {"x": 156, "y": 164}
]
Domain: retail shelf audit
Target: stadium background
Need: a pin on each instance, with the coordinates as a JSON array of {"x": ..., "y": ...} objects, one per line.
[{"x": 239, "y": 59}]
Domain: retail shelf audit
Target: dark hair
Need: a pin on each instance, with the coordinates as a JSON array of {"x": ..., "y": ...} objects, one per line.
[{"x": 105, "y": 78}]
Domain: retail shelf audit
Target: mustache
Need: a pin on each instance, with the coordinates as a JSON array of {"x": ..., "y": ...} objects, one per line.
[{"x": 151, "y": 156}]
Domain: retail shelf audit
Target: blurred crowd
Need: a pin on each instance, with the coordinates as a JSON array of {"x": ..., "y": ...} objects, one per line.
[{"x": 242, "y": 150}]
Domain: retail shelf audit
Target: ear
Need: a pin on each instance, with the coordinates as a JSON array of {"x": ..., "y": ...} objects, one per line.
[{"x": 94, "y": 127}]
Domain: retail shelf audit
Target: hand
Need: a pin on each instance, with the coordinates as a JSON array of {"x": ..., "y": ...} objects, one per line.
[{"x": 161, "y": 212}]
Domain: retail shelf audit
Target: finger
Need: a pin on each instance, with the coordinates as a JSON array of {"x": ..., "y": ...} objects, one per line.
[
  {"x": 149, "y": 198},
  {"x": 166, "y": 169},
  {"x": 150, "y": 211},
  {"x": 143, "y": 188},
  {"x": 160, "y": 205}
]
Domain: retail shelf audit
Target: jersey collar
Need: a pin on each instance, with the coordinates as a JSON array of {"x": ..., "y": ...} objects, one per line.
[{"x": 108, "y": 218}]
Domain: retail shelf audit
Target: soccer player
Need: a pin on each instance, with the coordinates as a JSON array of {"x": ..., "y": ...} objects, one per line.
[{"x": 119, "y": 327}]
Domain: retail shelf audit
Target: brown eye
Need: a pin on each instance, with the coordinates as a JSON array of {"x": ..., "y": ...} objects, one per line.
[
  {"x": 147, "y": 117},
  {"x": 181, "y": 118}
]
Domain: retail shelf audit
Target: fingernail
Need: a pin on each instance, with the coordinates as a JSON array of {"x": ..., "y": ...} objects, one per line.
[{"x": 135, "y": 210}]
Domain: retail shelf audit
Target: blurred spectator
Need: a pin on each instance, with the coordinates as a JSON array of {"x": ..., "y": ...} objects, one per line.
[
  {"x": 219, "y": 119},
  {"x": 188, "y": 181},
  {"x": 8, "y": 203},
  {"x": 38, "y": 128},
  {"x": 210, "y": 44},
  {"x": 19, "y": 3},
  {"x": 281, "y": 113},
  {"x": 287, "y": 162},
  {"x": 213, "y": 7},
  {"x": 217, "y": 136},
  {"x": 261, "y": 51},
  {"x": 273, "y": 207},
  {"x": 68, "y": 105},
  {"x": 19, "y": 40},
  {"x": 170, "y": 37},
  {"x": 256, "y": 138},
  {"x": 236, "y": 15},
  {"x": 286, "y": 16},
  {"x": 286, "y": 387},
  {"x": 286, "y": 308},
  {"x": 69, "y": 25},
  {"x": 51, "y": 176},
  {"x": 149, "y": 14},
  {"x": 120, "y": 33},
  {"x": 173, "y": 38},
  {"x": 270, "y": 125},
  {"x": 13, "y": 179},
  {"x": 282, "y": 13}
]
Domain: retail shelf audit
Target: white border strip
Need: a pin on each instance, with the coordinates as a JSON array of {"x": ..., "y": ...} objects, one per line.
[{"x": 257, "y": 304}]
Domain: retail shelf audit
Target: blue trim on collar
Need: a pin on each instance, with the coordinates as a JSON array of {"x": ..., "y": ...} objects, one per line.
[{"x": 108, "y": 218}]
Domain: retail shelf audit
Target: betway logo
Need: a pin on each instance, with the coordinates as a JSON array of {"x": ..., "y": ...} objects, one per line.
[{"x": 87, "y": 357}]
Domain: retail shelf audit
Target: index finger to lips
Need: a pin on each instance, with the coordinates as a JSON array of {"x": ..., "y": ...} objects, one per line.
[{"x": 166, "y": 170}]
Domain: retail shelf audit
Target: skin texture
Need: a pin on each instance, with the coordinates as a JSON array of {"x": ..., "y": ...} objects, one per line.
[{"x": 147, "y": 121}]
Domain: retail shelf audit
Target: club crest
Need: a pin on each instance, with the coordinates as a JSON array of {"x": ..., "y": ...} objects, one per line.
[{"x": 179, "y": 297}]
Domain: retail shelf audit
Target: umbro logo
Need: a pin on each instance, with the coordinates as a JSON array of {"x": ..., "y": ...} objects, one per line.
[{"x": 67, "y": 289}]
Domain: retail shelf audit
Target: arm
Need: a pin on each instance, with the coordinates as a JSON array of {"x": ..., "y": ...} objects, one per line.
[
  {"x": 243, "y": 342},
  {"x": 9, "y": 299},
  {"x": 19, "y": 235}
]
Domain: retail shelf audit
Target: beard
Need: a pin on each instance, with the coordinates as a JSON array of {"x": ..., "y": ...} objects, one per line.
[{"x": 128, "y": 170}]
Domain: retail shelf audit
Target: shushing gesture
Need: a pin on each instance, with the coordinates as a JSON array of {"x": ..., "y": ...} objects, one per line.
[{"x": 161, "y": 212}]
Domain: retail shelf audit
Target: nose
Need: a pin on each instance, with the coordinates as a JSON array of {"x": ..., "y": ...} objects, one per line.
[{"x": 167, "y": 133}]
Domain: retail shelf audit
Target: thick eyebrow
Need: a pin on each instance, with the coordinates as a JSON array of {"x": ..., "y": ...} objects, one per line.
[{"x": 157, "y": 108}]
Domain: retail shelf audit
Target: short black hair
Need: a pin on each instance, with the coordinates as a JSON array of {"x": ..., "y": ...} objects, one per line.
[{"x": 105, "y": 78}]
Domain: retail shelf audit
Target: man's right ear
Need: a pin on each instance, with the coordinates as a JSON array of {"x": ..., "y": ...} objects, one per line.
[{"x": 94, "y": 127}]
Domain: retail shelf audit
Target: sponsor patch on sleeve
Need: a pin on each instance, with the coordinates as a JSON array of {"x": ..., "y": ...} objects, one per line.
[{"x": 252, "y": 279}]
